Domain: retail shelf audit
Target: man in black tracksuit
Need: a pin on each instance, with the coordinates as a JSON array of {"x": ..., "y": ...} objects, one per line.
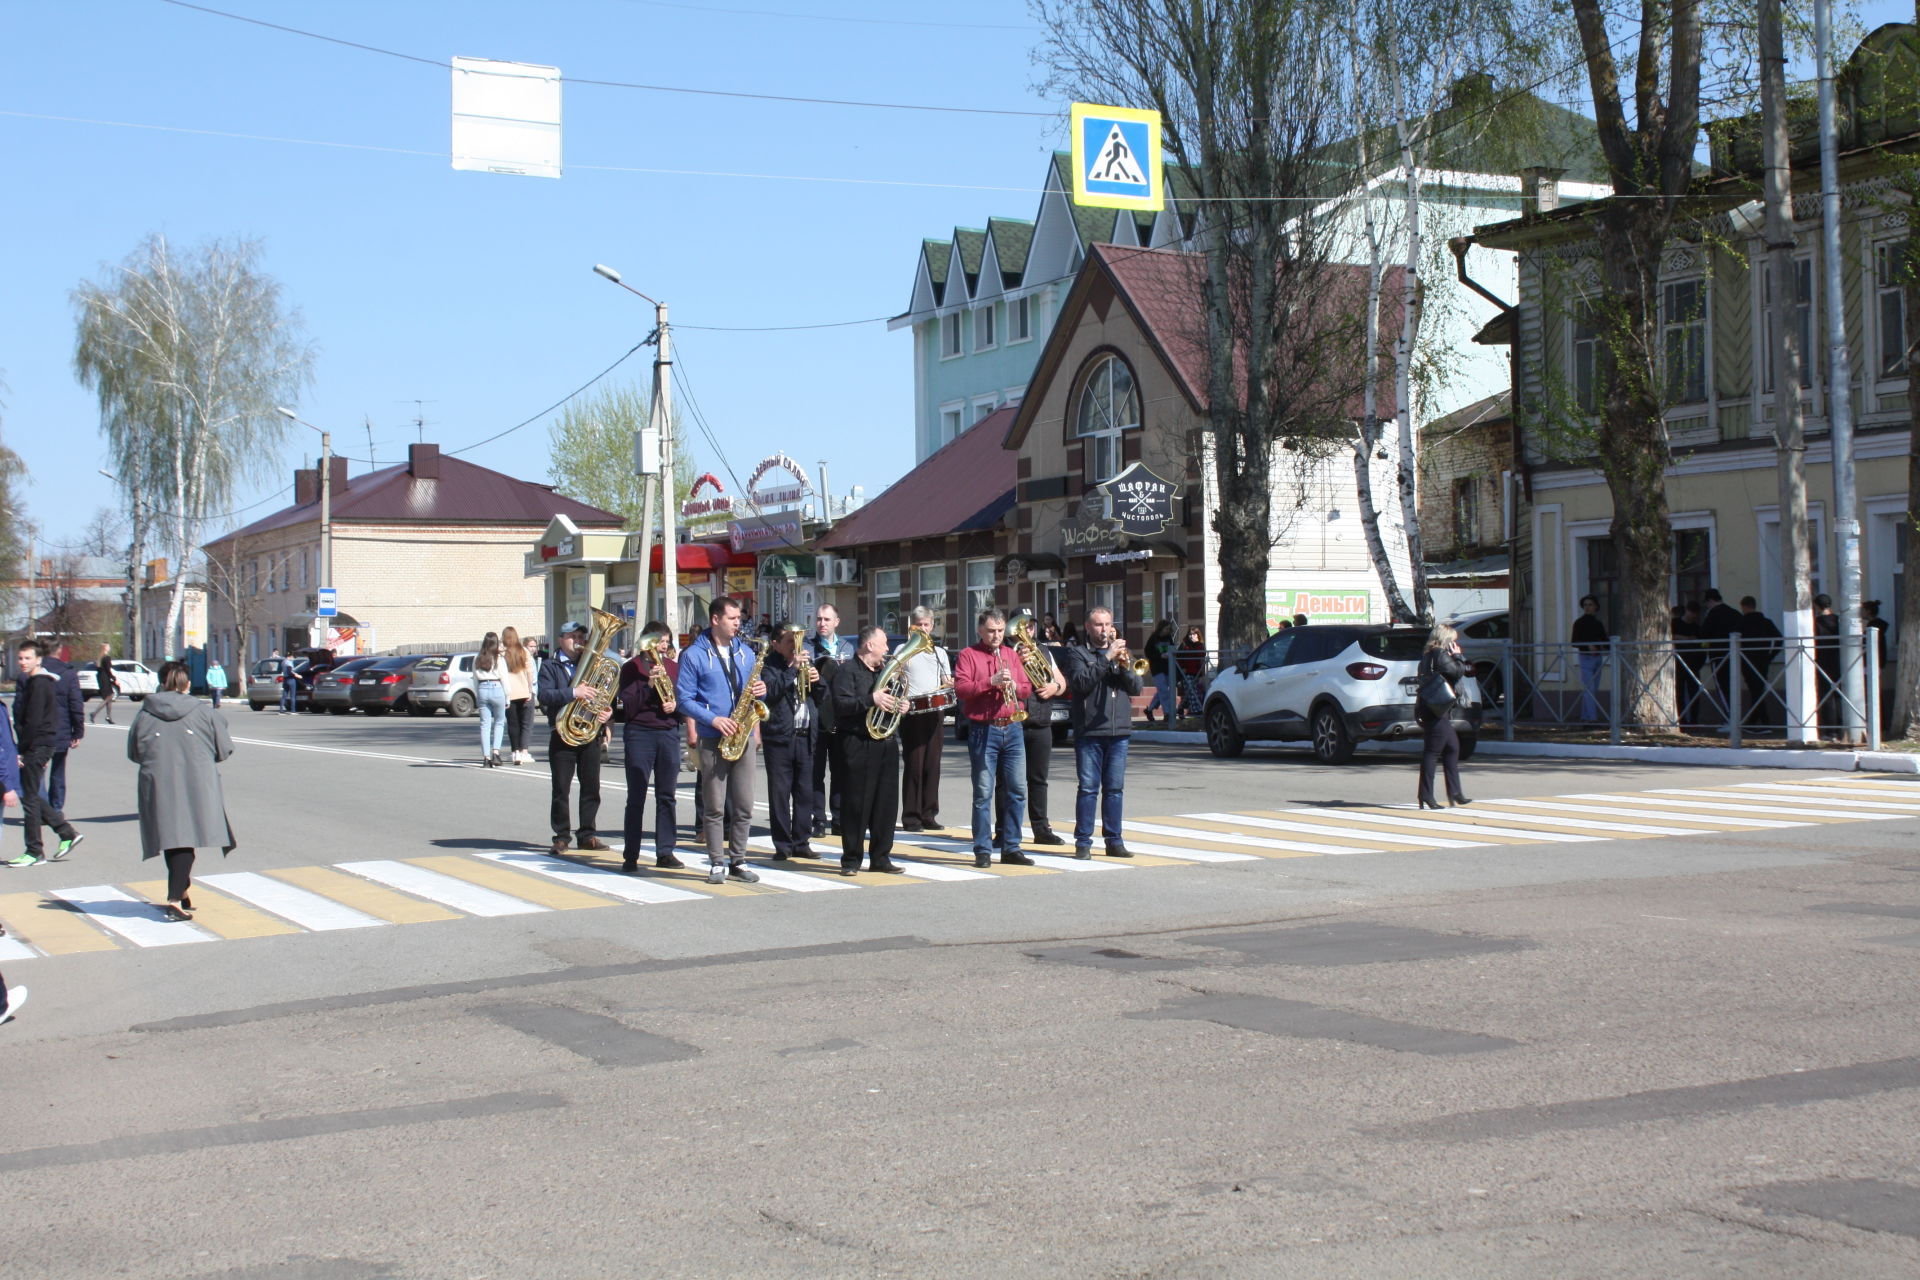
[
  {"x": 70, "y": 727},
  {"x": 788, "y": 738},
  {"x": 36, "y": 727}
]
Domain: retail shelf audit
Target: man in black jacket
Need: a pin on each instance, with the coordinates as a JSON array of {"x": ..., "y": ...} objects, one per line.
[
  {"x": 828, "y": 650},
  {"x": 1719, "y": 622},
  {"x": 1759, "y": 650},
  {"x": 36, "y": 716},
  {"x": 872, "y": 794},
  {"x": 1103, "y": 690},
  {"x": 70, "y": 725},
  {"x": 787, "y": 739}
]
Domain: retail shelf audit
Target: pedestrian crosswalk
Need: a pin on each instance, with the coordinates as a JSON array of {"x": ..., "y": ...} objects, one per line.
[{"x": 502, "y": 883}]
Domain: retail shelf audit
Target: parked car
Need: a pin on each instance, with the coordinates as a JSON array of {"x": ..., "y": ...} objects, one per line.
[
  {"x": 444, "y": 681},
  {"x": 1483, "y": 638},
  {"x": 135, "y": 679},
  {"x": 384, "y": 684},
  {"x": 1332, "y": 686},
  {"x": 333, "y": 688},
  {"x": 263, "y": 682}
]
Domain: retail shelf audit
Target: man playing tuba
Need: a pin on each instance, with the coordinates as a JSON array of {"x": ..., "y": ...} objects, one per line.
[
  {"x": 560, "y": 685},
  {"x": 873, "y": 763},
  {"x": 715, "y": 678}
]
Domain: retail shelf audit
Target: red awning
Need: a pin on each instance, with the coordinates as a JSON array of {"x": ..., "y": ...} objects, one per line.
[{"x": 703, "y": 557}]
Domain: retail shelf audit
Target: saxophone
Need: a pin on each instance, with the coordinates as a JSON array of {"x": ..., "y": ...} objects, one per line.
[
  {"x": 749, "y": 711},
  {"x": 893, "y": 680},
  {"x": 579, "y": 721}
]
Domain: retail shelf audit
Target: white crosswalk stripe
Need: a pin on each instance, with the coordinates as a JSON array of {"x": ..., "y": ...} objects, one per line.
[
  {"x": 448, "y": 891},
  {"x": 14, "y": 949},
  {"x": 1251, "y": 842},
  {"x": 1462, "y": 826},
  {"x": 1761, "y": 802},
  {"x": 1571, "y": 816},
  {"x": 1677, "y": 810},
  {"x": 597, "y": 879},
  {"x": 1321, "y": 829},
  {"x": 1797, "y": 792},
  {"x": 913, "y": 867},
  {"x": 308, "y": 910},
  {"x": 138, "y": 922}
]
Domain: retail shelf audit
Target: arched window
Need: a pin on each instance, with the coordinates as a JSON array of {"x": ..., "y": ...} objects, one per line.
[{"x": 1109, "y": 404}]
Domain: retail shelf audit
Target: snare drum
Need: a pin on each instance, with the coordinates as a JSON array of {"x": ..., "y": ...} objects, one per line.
[{"x": 938, "y": 700}]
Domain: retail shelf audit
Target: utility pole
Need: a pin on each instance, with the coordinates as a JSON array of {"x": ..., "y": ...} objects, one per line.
[
  {"x": 660, "y": 418},
  {"x": 326, "y": 508},
  {"x": 1789, "y": 429},
  {"x": 1846, "y": 503}
]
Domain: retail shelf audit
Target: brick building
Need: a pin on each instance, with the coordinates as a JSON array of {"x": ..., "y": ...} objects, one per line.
[
  {"x": 1467, "y": 480},
  {"x": 428, "y": 552}
]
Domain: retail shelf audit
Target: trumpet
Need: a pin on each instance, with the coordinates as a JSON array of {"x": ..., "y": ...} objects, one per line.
[
  {"x": 803, "y": 670},
  {"x": 1139, "y": 666}
]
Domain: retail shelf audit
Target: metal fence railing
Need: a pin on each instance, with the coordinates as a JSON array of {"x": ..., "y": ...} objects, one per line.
[{"x": 1739, "y": 689}]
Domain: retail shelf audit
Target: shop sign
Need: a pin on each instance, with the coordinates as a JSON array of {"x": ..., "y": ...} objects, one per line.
[
  {"x": 759, "y": 533},
  {"x": 1088, "y": 530},
  {"x": 1123, "y": 557},
  {"x": 697, "y": 508},
  {"x": 1140, "y": 502},
  {"x": 1319, "y": 606},
  {"x": 740, "y": 581},
  {"x": 776, "y": 494}
]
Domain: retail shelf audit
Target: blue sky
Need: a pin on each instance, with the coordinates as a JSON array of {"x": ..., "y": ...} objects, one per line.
[{"x": 474, "y": 292}]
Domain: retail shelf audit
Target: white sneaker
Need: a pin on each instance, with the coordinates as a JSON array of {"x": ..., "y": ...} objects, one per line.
[
  {"x": 16, "y": 997},
  {"x": 717, "y": 871}
]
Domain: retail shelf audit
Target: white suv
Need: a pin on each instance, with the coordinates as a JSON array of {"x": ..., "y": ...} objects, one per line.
[{"x": 1330, "y": 685}]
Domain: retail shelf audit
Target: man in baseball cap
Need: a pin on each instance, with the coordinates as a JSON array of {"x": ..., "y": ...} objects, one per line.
[{"x": 559, "y": 685}]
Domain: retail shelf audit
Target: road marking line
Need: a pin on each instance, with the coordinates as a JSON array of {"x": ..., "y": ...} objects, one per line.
[
  {"x": 1484, "y": 811},
  {"x": 1279, "y": 848},
  {"x": 631, "y": 888},
  {"x": 138, "y": 922},
  {"x": 1610, "y": 805},
  {"x": 220, "y": 914},
  {"x": 1464, "y": 827},
  {"x": 800, "y": 881},
  {"x": 691, "y": 875},
  {"x": 913, "y": 867},
  {"x": 1796, "y": 791},
  {"x": 305, "y": 908},
  {"x": 445, "y": 890},
  {"x": 52, "y": 928},
  {"x": 1052, "y": 861},
  {"x": 1314, "y": 828},
  {"x": 512, "y": 883},
  {"x": 12, "y": 948},
  {"x": 1799, "y": 805},
  {"x": 1182, "y": 853}
]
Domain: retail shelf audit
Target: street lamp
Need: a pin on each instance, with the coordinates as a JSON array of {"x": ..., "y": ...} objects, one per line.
[
  {"x": 134, "y": 645},
  {"x": 660, "y": 416},
  {"x": 326, "y": 495}
]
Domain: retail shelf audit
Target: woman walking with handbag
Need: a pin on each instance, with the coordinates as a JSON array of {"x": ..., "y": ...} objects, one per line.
[
  {"x": 1441, "y": 667},
  {"x": 489, "y": 689},
  {"x": 178, "y": 743}
]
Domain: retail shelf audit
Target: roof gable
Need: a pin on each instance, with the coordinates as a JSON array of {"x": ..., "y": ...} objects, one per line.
[{"x": 966, "y": 484}]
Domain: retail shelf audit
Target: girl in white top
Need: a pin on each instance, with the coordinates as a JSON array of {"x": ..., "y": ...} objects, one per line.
[{"x": 489, "y": 688}]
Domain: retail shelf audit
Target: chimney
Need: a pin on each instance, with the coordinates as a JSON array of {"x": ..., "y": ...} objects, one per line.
[
  {"x": 1540, "y": 189},
  {"x": 339, "y": 478},
  {"x": 306, "y": 485},
  {"x": 423, "y": 461}
]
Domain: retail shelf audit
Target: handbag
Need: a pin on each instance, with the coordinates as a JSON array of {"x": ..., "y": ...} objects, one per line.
[{"x": 1436, "y": 693}]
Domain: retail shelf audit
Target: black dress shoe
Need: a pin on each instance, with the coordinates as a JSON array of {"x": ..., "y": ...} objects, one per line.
[
  {"x": 1046, "y": 837},
  {"x": 779, "y": 856},
  {"x": 1016, "y": 859},
  {"x": 668, "y": 861},
  {"x": 846, "y": 870},
  {"x": 1118, "y": 851},
  {"x": 629, "y": 868},
  {"x": 804, "y": 851},
  {"x": 911, "y": 826},
  {"x": 1429, "y": 804},
  {"x": 982, "y": 859},
  {"x": 889, "y": 868},
  {"x": 1458, "y": 800}
]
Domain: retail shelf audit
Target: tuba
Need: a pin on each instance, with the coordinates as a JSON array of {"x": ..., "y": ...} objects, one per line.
[
  {"x": 660, "y": 650},
  {"x": 893, "y": 680},
  {"x": 749, "y": 711},
  {"x": 578, "y": 723},
  {"x": 1026, "y": 644}
]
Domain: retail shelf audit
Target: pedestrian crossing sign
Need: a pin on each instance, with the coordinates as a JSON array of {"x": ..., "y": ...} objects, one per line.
[{"x": 1116, "y": 158}]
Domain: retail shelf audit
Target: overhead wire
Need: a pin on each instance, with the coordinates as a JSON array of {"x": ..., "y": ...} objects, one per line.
[{"x": 836, "y": 17}]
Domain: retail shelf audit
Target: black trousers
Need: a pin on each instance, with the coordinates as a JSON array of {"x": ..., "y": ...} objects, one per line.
[
  {"x": 36, "y": 811},
  {"x": 1442, "y": 748},
  {"x": 827, "y": 796},
  {"x": 872, "y": 796},
  {"x": 1038, "y": 739},
  {"x": 519, "y": 718},
  {"x": 566, "y": 761},
  {"x": 789, "y": 791},
  {"x": 179, "y": 873},
  {"x": 920, "y": 786}
]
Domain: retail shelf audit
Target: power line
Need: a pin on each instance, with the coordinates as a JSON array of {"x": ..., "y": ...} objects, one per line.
[
  {"x": 835, "y": 17},
  {"x": 526, "y": 422}
]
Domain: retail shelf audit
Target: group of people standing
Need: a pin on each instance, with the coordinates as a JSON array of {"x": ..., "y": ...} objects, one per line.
[
  {"x": 503, "y": 689},
  {"x": 815, "y": 697}
]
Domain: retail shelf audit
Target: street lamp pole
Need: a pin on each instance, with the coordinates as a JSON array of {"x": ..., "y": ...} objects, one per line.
[
  {"x": 660, "y": 416},
  {"x": 326, "y": 500},
  {"x": 134, "y": 644}
]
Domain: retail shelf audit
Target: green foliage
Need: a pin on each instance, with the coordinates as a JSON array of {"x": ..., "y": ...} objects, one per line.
[{"x": 591, "y": 452}]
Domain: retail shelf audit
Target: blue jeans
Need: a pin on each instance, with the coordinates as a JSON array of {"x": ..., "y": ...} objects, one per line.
[
  {"x": 1162, "y": 694},
  {"x": 492, "y": 695},
  {"x": 1102, "y": 766},
  {"x": 289, "y": 694},
  {"x": 653, "y": 757},
  {"x": 1591, "y": 665},
  {"x": 999, "y": 755}
]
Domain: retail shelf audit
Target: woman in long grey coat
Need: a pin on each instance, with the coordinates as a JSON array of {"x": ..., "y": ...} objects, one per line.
[{"x": 178, "y": 744}]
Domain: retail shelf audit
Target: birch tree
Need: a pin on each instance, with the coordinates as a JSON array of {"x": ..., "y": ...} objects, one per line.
[
  {"x": 591, "y": 454},
  {"x": 187, "y": 354}
]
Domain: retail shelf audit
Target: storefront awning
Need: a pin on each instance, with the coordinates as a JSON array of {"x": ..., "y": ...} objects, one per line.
[
  {"x": 704, "y": 557},
  {"x": 789, "y": 566},
  {"x": 1032, "y": 560}
]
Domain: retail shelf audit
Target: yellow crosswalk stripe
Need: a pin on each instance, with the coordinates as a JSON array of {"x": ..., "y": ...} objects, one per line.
[
  {"x": 1369, "y": 839},
  {"x": 50, "y": 926},
  {"x": 903, "y": 844},
  {"x": 363, "y": 895},
  {"x": 691, "y": 877},
  {"x": 218, "y": 914},
  {"x": 515, "y": 884},
  {"x": 1198, "y": 840},
  {"x": 1690, "y": 819}
]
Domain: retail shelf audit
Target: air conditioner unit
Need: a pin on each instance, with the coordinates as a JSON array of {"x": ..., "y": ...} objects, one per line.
[
  {"x": 823, "y": 568},
  {"x": 845, "y": 570}
]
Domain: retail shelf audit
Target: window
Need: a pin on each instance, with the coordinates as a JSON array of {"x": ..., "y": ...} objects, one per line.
[
  {"x": 1802, "y": 318},
  {"x": 983, "y": 334},
  {"x": 886, "y": 601},
  {"x": 933, "y": 586},
  {"x": 1890, "y": 309},
  {"x": 979, "y": 588},
  {"x": 982, "y": 409},
  {"x": 949, "y": 426},
  {"x": 1683, "y": 330},
  {"x": 1111, "y": 597},
  {"x": 1466, "y": 512},
  {"x": 1109, "y": 405},
  {"x": 1273, "y": 653},
  {"x": 1603, "y": 578},
  {"x": 303, "y": 568},
  {"x": 1586, "y": 358},
  {"x": 949, "y": 337},
  {"x": 1690, "y": 566},
  {"x": 1020, "y": 319}
]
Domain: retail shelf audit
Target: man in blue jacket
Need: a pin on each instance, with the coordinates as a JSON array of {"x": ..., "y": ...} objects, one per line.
[
  {"x": 558, "y": 685},
  {"x": 69, "y": 727},
  {"x": 713, "y": 673}
]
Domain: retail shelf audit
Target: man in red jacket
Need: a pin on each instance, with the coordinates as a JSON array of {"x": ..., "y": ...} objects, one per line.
[{"x": 993, "y": 688}]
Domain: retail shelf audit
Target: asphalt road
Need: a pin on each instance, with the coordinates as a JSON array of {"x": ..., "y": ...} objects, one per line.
[{"x": 1343, "y": 1044}]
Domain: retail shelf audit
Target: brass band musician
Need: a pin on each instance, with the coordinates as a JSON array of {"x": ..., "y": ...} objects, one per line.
[
  {"x": 715, "y": 673},
  {"x": 788, "y": 740},
  {"x": 873, "y": 764},
  {"x": 650, "y": 731},
  {"x": 559, "y": 685},
  {"x": 929, "y": 694}
]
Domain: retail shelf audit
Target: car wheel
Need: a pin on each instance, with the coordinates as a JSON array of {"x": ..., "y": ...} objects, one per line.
[
  {"x": 376, "y": 711},
  {"x": 414, "y": 710},
  {"x": 258, "y": 706},
  {"x": 1223, "y": 731},
  {"x": 1331, "y": 743},
  {"x": 1468, "y": 742},
  {"x": 339, "y": 711},
  {"x": 463, "y": 704}
]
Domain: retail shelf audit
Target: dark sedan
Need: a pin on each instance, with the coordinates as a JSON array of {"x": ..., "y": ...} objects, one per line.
[
  {"x": 381, "y": 686},
  {"x": 333, "y": 688}
]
